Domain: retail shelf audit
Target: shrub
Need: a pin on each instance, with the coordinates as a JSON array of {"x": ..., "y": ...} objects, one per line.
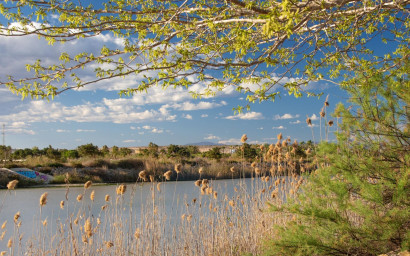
[{"x": 357, "y": 203}]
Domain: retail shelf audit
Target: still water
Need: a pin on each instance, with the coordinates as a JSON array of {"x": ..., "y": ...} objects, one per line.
[{"x": 173, "y": 198}]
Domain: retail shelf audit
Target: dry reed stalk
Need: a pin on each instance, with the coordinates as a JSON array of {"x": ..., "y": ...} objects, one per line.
[
  {"x": 143, "y": 175},
  {"x": 159, "y": 187},
  {"x": 88, "y": 228}
]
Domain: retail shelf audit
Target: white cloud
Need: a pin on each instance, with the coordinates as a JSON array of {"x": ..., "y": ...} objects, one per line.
[
  {"x": 146, "y": 127},
  {"x": 314, "y": 117},
  {"x": 260, "y": 128},
  {"x": 187, "y": 116},
  {"x": 211, "y": 137},
  {"x": 285, "y": 116},
  {"x": 155, "y": 130},
  {"x": 133, "y": 127},
  {"x": 189, "y": 106},
  {"x": 295, "y": 122},
  {"x": 246, "y": 116},
  {"x": 204, "y": 115},
  {"x": 128, "y": 141},
  {"x": 82, "y": 130},
  {"x": 278, "y": 127},
  {"x": 61, "y": 130}
]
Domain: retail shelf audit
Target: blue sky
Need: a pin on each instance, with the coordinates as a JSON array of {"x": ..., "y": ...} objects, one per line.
[{"x": 96, "y": 114}]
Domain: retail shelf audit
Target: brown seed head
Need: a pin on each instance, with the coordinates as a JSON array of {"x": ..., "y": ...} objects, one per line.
[
  {"x": 62, "y": 204},
  {"x": 233, "y": 169},
  {"x": 92, "y": 195},
  {"x": 178, "y": 168},
  {"x": 327, "y": 101},
  {"x": 201, "y": 170},
  {"x": 43, "y": 199},
  {"x": 16, "y": 217},
  {"x": 244, "y": 138},
  {"x": 257, "y": 171},
  {"x": 253, "y": 165},
  {"x": 284, "y": 143},
  {"x": 121, "y": 189},
  {"x": 12, "y": 184},
  {"x": 3, "y": 226},
  {"x": 280, "y": 136},
  {"x": 151, "y": 178},
  {"x": 142, "y": 175},
  {"x": 137, "y": 233},
  {"x": 107, "y": 198},
  {"x": 10, "y": 243},
  {"x": 322, "y": 112},
  {"x": 330, "y": 123},
  {"x": 198, "y": 183},
  {"x": 232, "y": 203},
  {"x": 88, "y": 184},
  {"x": 88, "y": 228},
  {"x": 168, "y": 175},
  {"x": 309, "y": 121},
  {"x": 80, "y": 197},
  {"x": 205, "y": 182},
  {"x": 109, "y": 244}
]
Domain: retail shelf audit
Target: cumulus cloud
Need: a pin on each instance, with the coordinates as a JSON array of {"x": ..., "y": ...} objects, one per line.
[
  {"x": 314, "y": 117},
  {"x": 278, "y": 127},
  {"x": 189, "y": 106},
  {"x": 82, "y": 130},
  {"x": 187, "y": 116},
  {"x": 285, "y": 116},
  {"x": 129, "y": 141},
  {"x": 211, "y": 137},
  {"x": 204, "y": 115},
  {"x": 295, "y": 122},
  {"x": 246, "y": 116}
]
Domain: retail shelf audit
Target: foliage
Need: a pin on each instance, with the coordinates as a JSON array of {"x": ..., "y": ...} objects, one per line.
[
  {"x": 125, "y": 152},
  {"x": 5, "y": 152},
  {"x": 152, "y": 150},
  {"x": 214, "y": 153},
  {"x": 177, "y": 151},
  {"x": 255, "y": 46},
  {"x": 69, "y": 154},
  {"x": 247, "y": 151},
  {"x": 357, "y": 203},
  {"x": 88, "y": 150}
]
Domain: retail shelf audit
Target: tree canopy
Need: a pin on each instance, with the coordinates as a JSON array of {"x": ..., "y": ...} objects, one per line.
[{"x": 255, "y": 46}]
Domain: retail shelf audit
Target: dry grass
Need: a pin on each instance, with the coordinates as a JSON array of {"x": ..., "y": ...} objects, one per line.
[{"x": 214, "y": 223}]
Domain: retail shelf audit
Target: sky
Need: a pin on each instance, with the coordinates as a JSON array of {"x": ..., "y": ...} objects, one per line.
[{"x": 97, "y": 114}]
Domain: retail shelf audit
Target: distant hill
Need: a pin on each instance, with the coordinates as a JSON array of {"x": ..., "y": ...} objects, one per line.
[{"x": 203, "y": 143}]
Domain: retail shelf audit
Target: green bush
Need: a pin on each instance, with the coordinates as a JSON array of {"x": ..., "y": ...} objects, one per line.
[{"x": 357, "y": 203}]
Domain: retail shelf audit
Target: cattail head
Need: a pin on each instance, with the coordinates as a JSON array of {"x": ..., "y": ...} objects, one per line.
[
  {"x": 43, "y": 199},
  {"x": 322, "y": 112},
  {"x": 198, "y": 183},
  {"x": 16, "y": 217},
  {"x": 233, "y": 169},
  {"x": 10, "y": 243},
  {"x": 232, "y": 203},
  {"x": 201, "y": 170},
  {"x": 327, "y": 101},
  {"x": 159, "y": 187},
  {"x": 92, "y": 195},
  {"x": 109, "y": 244},
  {"x": 3, "y": 253},
  {"x": 330, "y": 123},
  {"x": 62, "y": 204},
  {"x": 309, "y": 121},
  {"x": 151, "y": 178},
  {"x": 244, "y": 138},
  {"x": 280, "y": 136},
  {"x": 44, "y": 222},
  {"x": 168, "y": 175},
  {"x": 205, "y": 182},
  {"x": 107, "y": 198},
  {"x": 253, "y": 164},
  {"x": 215, "y": 194},
  {"x": 257, "y": 171},
  {"x": 3, "y": 226},
  {"x": 88, "y": 228},
  {"x": 12, "y": 184},
  {"x": 308, "y": 151},
  {"x": 137, "y": 233},
  {"x": 80, "y": 197},
  {"x": 178, "y": 168},
  {"x": 142, "y": 175},
  {"x": 88, "y": 184},
  {"x": 121, "y": 189},
  {"x": 284, "y": 143}
]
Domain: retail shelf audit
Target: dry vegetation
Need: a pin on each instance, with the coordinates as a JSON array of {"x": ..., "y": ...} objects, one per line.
[{"x": 213, "y": 223}]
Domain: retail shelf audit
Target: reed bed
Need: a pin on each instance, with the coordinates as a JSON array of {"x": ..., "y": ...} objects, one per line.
[{"x": 213, "y": 223}]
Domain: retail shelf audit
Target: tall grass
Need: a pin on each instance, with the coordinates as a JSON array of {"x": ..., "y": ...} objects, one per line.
[{"x": 214, "y": 223}]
